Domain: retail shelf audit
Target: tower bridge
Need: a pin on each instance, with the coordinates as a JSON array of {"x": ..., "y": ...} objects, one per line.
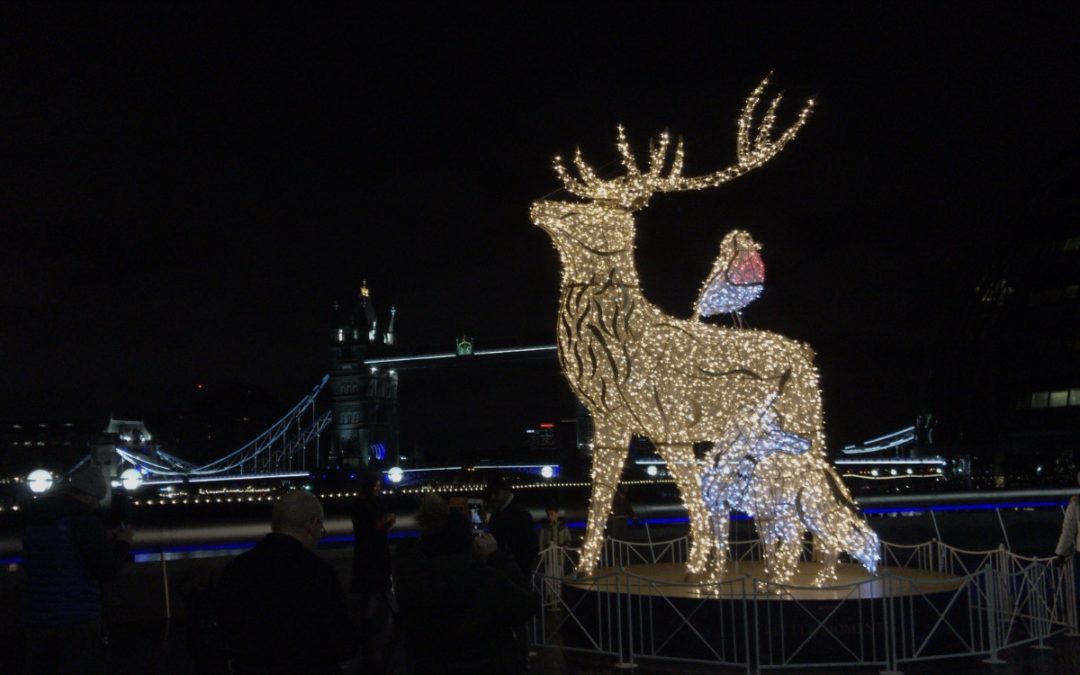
[
  {"x": 352, "y": 406},
  {"x": 349, "y": 419}
]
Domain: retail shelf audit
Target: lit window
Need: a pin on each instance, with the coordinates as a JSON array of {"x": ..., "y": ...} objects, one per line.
[
  {"x": 1040, "y": 399},
  {"x": 1059, "y": 399},
  {"x": 1074, "y": 396}
]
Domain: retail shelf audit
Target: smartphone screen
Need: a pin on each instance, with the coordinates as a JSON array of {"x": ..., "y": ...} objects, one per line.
[{"x": 476, "y": 517}]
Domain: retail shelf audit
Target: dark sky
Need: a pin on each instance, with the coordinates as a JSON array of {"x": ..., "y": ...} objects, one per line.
[{"x": 184, "y": 192}]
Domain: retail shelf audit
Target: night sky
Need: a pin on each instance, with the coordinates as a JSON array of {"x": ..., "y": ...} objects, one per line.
[{"x": 184, "y": 192}]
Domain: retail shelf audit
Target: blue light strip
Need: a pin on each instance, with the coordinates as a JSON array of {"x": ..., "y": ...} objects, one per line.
[
  {"x": 515, "y": 466},
  {"x": 409, "y": 359},
  {"x": 453, "y": 355},
  {"x": 964, "y": 507},
  {"x": 192, "y": 548},
  {"x": 906, "y": 431},
  {"x": 433, "y": 468},
  {"x": 934, "y": 461},
  {"x": 895, "y": 439},
  {"x": 222, "y": 479},
  {"x": 515, "y": 350}
]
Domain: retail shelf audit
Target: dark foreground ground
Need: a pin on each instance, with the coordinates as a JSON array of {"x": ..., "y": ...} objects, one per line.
[
  {"x": 144, "y": 643},
  {"x": 149, "y": 627}
]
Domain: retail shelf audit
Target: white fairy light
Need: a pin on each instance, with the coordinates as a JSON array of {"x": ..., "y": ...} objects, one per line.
[{"x": 753, "y": 394}]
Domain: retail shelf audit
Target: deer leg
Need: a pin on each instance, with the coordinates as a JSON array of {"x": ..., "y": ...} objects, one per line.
[
  {"x": 681, "y": 463},
  {"x": 607, "y": 467},
  {"x": 721, "y": 527},
  {"x": 718, "y": 486}
]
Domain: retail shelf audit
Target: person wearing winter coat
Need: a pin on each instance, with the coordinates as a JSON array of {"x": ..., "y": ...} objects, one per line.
[
  {"x": 1069, "y": 540},
  {"x": 460, "y": 603},
  {"x": 553, "y": 531},
  {"x": 67, "y": 555},
  {"x": 554, "y": 537},
  {"x": 281, "y": 607},
  {"x": 371, "y": 586}
]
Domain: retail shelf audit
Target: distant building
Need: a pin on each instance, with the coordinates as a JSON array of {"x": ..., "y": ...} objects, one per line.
[
  {"x": 54, "y": 446},
  {"x": 58, "y": 447},
  {"x": 364, "y": 429},
  {"x": 541, "y": 439},
  {"x": 1020, "y": 395}
]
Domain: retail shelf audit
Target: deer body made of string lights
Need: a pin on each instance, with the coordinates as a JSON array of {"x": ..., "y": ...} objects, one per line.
[{"x": 753, "y": 394}]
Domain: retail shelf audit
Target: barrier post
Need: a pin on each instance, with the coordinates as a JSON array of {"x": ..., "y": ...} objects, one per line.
[
  {"x": 1070, "y": 596},
  {"x": 756, "y": 661},
  {"x": 889, "y": 623},
  {"x": 991, "y": 583},
  {"x": 1042, "y": 592},
  {"x": 623, "y": 664}
]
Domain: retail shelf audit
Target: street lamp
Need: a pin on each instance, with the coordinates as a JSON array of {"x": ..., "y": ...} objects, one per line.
[
  {"x": 131, "y": 479},
  {"x": 39, "y": 481}
]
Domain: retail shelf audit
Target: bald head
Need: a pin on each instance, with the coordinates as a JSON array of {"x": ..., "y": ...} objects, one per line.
[{"x": 298, "y": 514}]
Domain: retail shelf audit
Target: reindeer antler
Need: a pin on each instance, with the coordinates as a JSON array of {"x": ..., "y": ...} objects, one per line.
[{"x": 633, "y": 190}]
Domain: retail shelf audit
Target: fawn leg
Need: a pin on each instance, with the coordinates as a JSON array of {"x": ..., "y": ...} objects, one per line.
[
  {"x": 682, "y": 465},
  {"x": 829, "y": 562},
  {"x": 607, "y": 466},
  {"x": 782, "y": 535}
]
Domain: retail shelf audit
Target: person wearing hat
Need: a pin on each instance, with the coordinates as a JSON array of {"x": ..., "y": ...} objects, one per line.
[{"x": 67, "y": 554}]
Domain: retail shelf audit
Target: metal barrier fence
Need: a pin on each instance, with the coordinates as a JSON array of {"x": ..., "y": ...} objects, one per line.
[{"x": 930, "y": 601}]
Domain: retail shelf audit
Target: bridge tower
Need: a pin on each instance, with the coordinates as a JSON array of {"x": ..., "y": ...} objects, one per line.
[{"x": 364, "y": 429}]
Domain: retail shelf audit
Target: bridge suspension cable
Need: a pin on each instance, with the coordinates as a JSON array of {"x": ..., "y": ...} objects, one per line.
[{"x": 284, "y": 446}]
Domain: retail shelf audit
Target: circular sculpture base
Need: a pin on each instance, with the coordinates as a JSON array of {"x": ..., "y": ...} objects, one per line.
[
  {"x": 652, "y": 611},
  {"x": 671, "y": 580}
]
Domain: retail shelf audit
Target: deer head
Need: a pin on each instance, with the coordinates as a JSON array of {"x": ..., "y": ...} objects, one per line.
[{"x": 603, "y": 223}]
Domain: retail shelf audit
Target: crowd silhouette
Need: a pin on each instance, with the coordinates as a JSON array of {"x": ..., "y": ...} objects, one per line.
[{"x": 457, "y": 598}]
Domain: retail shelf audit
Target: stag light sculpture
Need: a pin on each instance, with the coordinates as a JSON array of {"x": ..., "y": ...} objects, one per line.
[{"x": 753, "y": 394}]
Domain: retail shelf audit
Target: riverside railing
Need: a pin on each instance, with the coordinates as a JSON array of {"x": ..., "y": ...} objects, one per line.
[{"x": 930, "y": 601}]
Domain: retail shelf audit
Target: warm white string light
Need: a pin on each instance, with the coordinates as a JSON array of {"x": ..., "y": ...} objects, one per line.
[{"x": 680, "y": 382}]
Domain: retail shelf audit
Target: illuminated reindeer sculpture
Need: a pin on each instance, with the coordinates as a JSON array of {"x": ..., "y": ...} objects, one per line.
[{"x": 753, "y": 394}]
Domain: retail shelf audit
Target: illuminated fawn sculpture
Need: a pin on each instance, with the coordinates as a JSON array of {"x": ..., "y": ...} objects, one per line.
[{"x": 752, "y": 394}]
